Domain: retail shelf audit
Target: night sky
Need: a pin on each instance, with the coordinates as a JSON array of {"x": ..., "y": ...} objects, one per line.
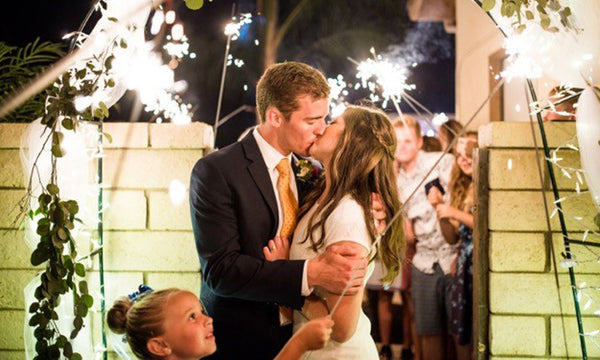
[{"x": 319, "y": 38}]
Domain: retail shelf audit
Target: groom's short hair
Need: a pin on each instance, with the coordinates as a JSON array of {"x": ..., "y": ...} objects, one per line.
[{"x": 282, "y": 84}]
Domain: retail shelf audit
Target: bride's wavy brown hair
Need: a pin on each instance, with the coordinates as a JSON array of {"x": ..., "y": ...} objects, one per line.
[{"x": 362, "y": 164}]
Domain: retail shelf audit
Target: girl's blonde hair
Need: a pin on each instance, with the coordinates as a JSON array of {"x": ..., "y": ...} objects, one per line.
[{"x": 140, "y": 320}]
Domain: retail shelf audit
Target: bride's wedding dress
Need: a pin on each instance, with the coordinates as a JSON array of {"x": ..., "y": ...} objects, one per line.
[{"x": 346, "y": 223}]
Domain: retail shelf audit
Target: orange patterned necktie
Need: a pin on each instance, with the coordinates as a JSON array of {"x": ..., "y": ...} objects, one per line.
[
  {"x": 289, "y": 207},
  {"x": 289, "y": 204}
]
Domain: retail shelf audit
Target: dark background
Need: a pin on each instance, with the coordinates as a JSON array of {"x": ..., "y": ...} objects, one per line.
[{"x": 324, "y": 36}]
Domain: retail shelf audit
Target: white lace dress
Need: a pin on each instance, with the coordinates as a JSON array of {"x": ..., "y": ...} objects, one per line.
[{"x": 346, "y": 223}]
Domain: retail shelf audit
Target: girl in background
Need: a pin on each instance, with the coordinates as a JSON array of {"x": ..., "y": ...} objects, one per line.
[
  {"x": 460, "y": 215},
  {"x": 447, "y": 132}
]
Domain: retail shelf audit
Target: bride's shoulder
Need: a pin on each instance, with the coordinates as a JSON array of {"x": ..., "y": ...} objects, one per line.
[{"x": 347, "y": 207}]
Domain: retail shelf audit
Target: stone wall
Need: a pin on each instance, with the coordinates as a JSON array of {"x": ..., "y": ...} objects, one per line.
[
  {"x": 524, "y": 310},
  {"x": 146, "y": 238}
]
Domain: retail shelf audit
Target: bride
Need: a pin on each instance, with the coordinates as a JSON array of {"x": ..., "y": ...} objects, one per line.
[{"x": 357, "y": 152}]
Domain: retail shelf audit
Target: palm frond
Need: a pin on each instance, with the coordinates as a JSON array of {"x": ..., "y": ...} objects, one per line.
[{"x": 18, "y": 66}]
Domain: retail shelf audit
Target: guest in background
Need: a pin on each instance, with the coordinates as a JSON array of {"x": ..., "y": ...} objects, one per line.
[
  {"x": 433, "y": 256},
  {"x": 447, "y": 132},
  {"x": 431, "y": 144},
  {"x": 564, "y": 101},
  {"x": 460, "y": 215}
]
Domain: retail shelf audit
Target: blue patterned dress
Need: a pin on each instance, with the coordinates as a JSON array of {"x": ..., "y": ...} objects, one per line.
[{"x": 461, "y": 318}]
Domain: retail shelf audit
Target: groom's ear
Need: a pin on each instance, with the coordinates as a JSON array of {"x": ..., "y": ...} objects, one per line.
[
  {"x": 274, "y": 116},
  {"x": 158, "y": 346}
]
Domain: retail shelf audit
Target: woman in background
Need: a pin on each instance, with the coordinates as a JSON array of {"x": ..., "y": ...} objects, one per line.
[{"x": 460, "y": 215}]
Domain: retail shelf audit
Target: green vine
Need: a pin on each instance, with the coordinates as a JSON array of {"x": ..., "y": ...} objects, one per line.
[
  {"x": 56, "y": 217},
  {"x": 528, "y": 9}
]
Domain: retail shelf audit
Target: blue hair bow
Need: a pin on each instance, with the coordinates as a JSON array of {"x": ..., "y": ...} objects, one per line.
[{"x": 141, "y": 292}]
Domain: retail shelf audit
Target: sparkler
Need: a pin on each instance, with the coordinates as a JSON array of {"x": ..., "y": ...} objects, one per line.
[
  {"x": 178, "y": 49},
  {"x": 156, "y": 92},
  {"x": 336, "y": 96},
  {"x": 391, "y": 78},
  {"x": 522, "y": 55},
  {"x": 232, "y": 30},
  {"x": 131, "y": 66}
]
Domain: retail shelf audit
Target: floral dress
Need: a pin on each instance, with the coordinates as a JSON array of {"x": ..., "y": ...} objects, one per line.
[{"x": 461, "y": 298}]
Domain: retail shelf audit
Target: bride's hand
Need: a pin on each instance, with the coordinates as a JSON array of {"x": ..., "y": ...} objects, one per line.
[{"x": 277, "y": 249}]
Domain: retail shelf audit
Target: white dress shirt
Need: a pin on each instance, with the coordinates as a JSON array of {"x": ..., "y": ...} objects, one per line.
[
  {"x": 431, "y": 245},
  {"x": 272, "y": 157}
]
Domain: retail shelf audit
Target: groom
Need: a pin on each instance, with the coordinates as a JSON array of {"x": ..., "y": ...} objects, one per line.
[{"x": 246, "y": 194}]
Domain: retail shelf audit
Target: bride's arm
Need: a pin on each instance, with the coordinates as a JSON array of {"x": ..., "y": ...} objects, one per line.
[{"x": 348, "y": 311}]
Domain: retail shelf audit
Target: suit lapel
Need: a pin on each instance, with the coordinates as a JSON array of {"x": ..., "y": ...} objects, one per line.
[{"x": 258, "y": 171}]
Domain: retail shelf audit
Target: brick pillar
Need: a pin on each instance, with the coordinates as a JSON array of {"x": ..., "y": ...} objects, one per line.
[{"x": 524, "y": 311}]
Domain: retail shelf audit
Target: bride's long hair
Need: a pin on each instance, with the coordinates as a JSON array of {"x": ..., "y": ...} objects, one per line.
[{"x": 362, "y": 164}]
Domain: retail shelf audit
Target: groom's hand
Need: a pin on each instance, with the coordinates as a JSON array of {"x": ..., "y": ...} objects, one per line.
[{"x": 336, "y": 267}]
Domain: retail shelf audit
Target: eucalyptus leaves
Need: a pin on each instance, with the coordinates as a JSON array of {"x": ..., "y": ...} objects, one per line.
[
  {"x": 56, "y": 217},
  {"x": 54, "y": 228},
  {"x": 529, "y": 9}
]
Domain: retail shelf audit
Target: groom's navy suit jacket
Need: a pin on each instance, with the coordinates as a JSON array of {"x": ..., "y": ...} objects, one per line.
[{"x": 234, "y": 214}]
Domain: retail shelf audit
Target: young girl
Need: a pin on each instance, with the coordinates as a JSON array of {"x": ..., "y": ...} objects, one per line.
[
  {"x": 171, "y": 324},
  {"x": 357, "y": 152},
  {"x": 460, "y": 213}
]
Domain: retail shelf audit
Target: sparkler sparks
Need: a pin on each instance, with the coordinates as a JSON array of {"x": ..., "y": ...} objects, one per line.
[
  {"x": 233, "y": 28},
  {"x": 133, "y": 64},
  {"x": 391, "y": 77},
  {"x": 338, "y": 91},
  {"x": 157, "y": 21},
  {"x": 522, "y": 56}
]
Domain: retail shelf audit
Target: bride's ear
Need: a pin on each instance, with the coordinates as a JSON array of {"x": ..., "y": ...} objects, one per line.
[{"x": 158, "y": 346}]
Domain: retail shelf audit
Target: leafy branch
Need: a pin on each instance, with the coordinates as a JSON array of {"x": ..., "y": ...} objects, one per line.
[
  {"x": 529, "y": 10},
  {"x": 55, "y": 216}
]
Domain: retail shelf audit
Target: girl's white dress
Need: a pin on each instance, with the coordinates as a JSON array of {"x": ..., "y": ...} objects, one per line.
[{"x": 346, "y": 223}]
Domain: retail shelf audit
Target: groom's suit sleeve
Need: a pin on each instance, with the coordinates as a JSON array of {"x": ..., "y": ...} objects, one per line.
[{"x": 225, "y": 268}]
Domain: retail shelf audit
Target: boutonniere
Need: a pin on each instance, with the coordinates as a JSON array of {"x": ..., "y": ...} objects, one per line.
[{"x": 306, "y": 171}]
